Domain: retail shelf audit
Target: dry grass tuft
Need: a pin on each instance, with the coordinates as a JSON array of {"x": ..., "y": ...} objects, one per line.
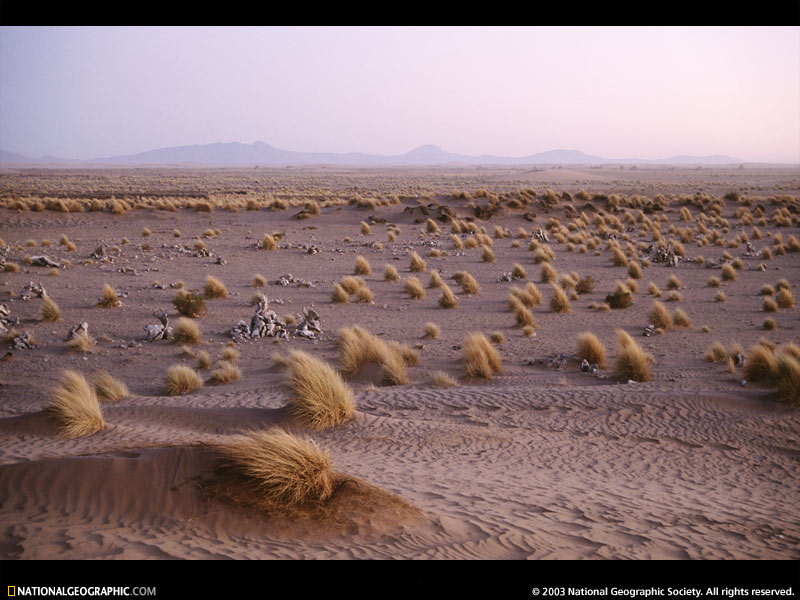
[
  {"x": 364, "y": 295},
  {"x": 189, "y": 304},
  {"x": 590, "y": 348},
  {"x": 109, "y": 388},
  {"x": 362, "y": 266},
  {"x": 186, "y": 331},
  {"x": 487, "y": 255},
  {"x": 481, "y": 358},
  {"x": 81, "y": 343},
  {"x": 75, "y": 406},
  {"x": 226, "y": 372},
  {"x": 51, "y": 313},
  {"x": 559, "y": 302},
  {"x": 287, "y": 469},
  {"x": 181, "y": 379},
  {"x": 447, "y": 299},
  {"x": 785, "y": 298},
  {"x": 320, "y": 397},
  {"x": 432, "y": 331},
  {"x": 11, "y": 267},
  {"x": 203, "y": 360},
  {"x": 351, "y": 285},
  {"x": 523, "y": 317},
  {"x": 770, "y": 306},
  {"x": 660, "y": 316},
  {"x": 467, "y": 282},
  {"x": 365, "y": 228},
  {"x": 770, "y": 324},
  {"x": 621, "y": 298},
  {"x": 728, "y": 273},
  {"x": 443, "y": 379},
  {"x": 269, "y": 243},
  {"x": 518, "y": 271},
  {"x": 716, "y": 353},
  {"x": 390, "y": 273},
  {"x": 674, "y": 283},
  {"x": 214, "y": 288},
  {"x": 528, "y": 330},
  {"x": 258, "y": 281},
  {"x": 358, "y": 347},
  {"x": 417, "y": 263},
  {"x": 340, "y": 295},
  {"x": 413, "y": 287},
  {"x": 632, "y": 363},
  {"x": 714, "y": 282},
  {"x": 787, "y": 378},
  {"x": 760, "y": 363},
  {"x": 435, "y": 280},
  {"x": 681, "y": 319},
  {"x": 110, "y": 299},
  {"x": 549, "y": 273}
]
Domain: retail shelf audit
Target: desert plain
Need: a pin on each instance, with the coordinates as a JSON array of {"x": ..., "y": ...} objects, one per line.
[{"x": 693, "y": 454}]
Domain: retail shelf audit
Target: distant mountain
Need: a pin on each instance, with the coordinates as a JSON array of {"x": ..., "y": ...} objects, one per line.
[{"x": 261, "y": 154}]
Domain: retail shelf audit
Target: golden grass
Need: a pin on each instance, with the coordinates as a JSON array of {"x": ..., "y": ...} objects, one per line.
[
  {"x": 320, "y": 397},
  {"x": 285, "y": 468},
  {"x": 447, "y": 299},
  {"x": 760, "y": 363},
  {"x": 716, "y": 353},
  {"x": 720, "y": 297},
  {"x": 362, "y": 266},
  {"x": 109, "y": 299},
  {"x": 660, "y": 316},
  {"x": 787, "y": 378},
  {"x": 481, "y": 358},
  {"x": 340, "y": 295},
  {"x": 519, "y": 271},
  {"x": 681, "y": 319},
  {"x": 522, "y": 316},
  {"x": 258, "y": 281},
  {"x": 653, "y": 289},
  {"x": 487, "y": 255},
  {"x": 214, "y": 288},
  {"x": 528, "y": 330},
  {"x": 467, "y": 282},
  {"x": 75, "y": 406},
  {"x": 714, "y": 282},
  {"x": 181, "y": 379},
  {"x": 390, "y": 273},
  {"x": 770, "y": 324},
  {"x": 618, "y": 258},
  {"x": 203, "y": 360},
  {"x": 634, "y": 270},
  {"x": 269, "y": 243},
  {"x": 226, "y": 372},
  {"x": 432, "y": 331},
  {"x": 632, "y": 362},
  {"x": 621, "y": 298},
  {"x": 413, "y": 287},
  {"x": 443, "y": 379},
  {"x": 81, "y": 342},
  {"x": 548, "y": 274},
  {"x": 590, "y": 348},
  {"x": 358, "y": 347},
  {"x": 186, "y": 331},
  {"x": 364, "y": 295},
  {"x": 674, "y": 283},
  {"x": 559, "y": 302},
  {"x": 728, "y": 273},
  {"x": 351, "y": 284},
  {"x": 109, "y": 388},
  {"x": 783, "y": 284},
  {"x": 51, "y": 313},
  {"x": 784, "y": 298},
  {"x": 365, "y": 228},
  {"x": 435, "y": 280},
  {"x": 456, "y": 241},
  {"x": 417, "y": 263},
  {"x": 11, "y": 267},
  {"x": 770, "y": 306}
]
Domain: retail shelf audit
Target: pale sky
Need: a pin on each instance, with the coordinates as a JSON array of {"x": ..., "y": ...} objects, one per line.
[{"x": 649, "y": 92}]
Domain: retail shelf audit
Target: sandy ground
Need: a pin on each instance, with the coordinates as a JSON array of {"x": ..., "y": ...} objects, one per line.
[{"x": 536, "y": 463}]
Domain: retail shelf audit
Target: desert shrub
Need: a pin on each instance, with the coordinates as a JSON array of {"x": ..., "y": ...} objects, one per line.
[
  {"x": 770, "y": 306},
  {"x": 714, "y": 282},
  {"x": 720, "y": 297},
  {"x": 660, "y": 316},
  {"x": 456, "y": 241},
  {"x": 259, "y": 281},
  {"x": 231, "y": 355},
  {"x": 351, "y": 285},
  {"x": 591, "y": 349},
  {"x": 189, "y": 304},
  {"x": 443, "y": 379},
  {"x": 226, "y": 372},
  {"x": 518, "y": 271},
  {"x": 340, "y": 295},
  {"x": 268, "y": 243},
  {"x": 435, "y": 280},
  {"x": 681, "y": 319},
  {"x": 214, "y": 288},
  {"x": 362, "y": 266},
  {"x": 585, "y": 285},
  {"x": 716, "y": 353},
  {"x": 447, "y": 299},
  {"x": 186, "y": 331},
  {"x": 287, "y": 469},
  {"x": 75, "y": 406},
  {"x": 634, "y": 270},
  {"x": 481, "y": 358},
  {"x": 181, "y": 379},
  {"x": 203, "y": 360},
  {"x": 770, "y": 325},
  {"x": 548, "y": 274},
  {"x": 390, "y": 273},
  {"x": 559, "y": 302},
  {"x": 320, "y": 397},
  {"x": 82, "y": 342},
  {"x": 487, "y": 255},
  {"x": 358, "y": 347},
  {"x": 785, "y": 299},
  {"x": 728, "y": 273},
  {"x": 364, "y": 295},
  {"x": 618, "y": 258},
  {"x": 522, "y": 315},
  {"x": 413, "y": 287},
  {"x": 432, "y": 330},
  {"x": 622, "y": 297},
  {"x": 467, "y": 282},
  {"x": 674, "y": 283},
  {"x": 632, "y": 362},
  {"x": 109, "y": 299},
  {"x": 365, "y": 228},
  {"x": 108, "y": 387},
  {"x": 653, "y": 289},
  {"x": 51, "y": 313},
  {"x": 417, "y": 263}
]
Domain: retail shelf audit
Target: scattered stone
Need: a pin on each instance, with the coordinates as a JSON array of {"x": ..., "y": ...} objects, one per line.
[
  {"x": 79, "y": 329},
  {"x": 585, "y": 367},
  {"x": 289, "y": 279},
  {"x": 266, "y": 323},
  {"x": 744, "y": 382},
  {"x": 23, "y": 341},
  {"x": 98, "y": 253},
  {"x": 541, "y": 235},
  {"x": 649, "y": 330},
  {"x": 161, "y": 331},
  {"x": 126, "y": 270},
  {"x": 666, "y": 255},
  {"x": 554, "y": 361},
  {"x": 202, "y": 253},
  {"x": 33, "y": 289},
  {"x": 7, "y": 356},
  {"x": 44, "y": 261},
  {"x": 220, "y": 261},
  {"x": 738, "y": 360},
  {"x": 6, "y": 320},
  {"x": 312, "y": 250},
  {"x": 508, "y": 277}
]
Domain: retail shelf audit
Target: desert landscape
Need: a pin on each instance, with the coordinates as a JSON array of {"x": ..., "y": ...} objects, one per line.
[{"x": 400, "y": 363}]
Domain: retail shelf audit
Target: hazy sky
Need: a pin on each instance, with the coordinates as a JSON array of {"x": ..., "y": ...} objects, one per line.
[{"x": 649, "y": 92}]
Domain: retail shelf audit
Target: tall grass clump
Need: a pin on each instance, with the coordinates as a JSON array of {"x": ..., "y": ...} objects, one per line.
[
  {"x": 632, "y": 362},
  {"x": 413, "y": 287},
  {"x": 181, "y": 379},
  {"x": 320, "y": 397},
  {"x": 447, "y": 299},
  {"x": 75, "y": 406},
  {"x": 559, "y": 302},
  {"x": 481, "y": 358},
  {"x": 109, "y": 388},
  {"x": 186, "y": 331},
  {"x": 362, "y": 266},
  {"x": 214, "y": 288},
  {"x": 390, "y": 273},
  {"x": 591, "y": 349},
  {"x": 51, "y": 313},
  {"x": 109, "y": 299},
  {"x": 417, "y": 263}
]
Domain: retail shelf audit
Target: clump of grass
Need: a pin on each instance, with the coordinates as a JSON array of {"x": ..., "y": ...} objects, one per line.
[
  {"x": 75, "y": 406},
  {"x": 728, "y": 272},
  {"x": 714, "y": 282},
  {"x": 522, "y": 316},
  {"x": 443, "y": 379},
  {"x": 417, "y": 263},
  {"x": 585, "y": 285},
  {"x": 365, "y": 228},
  {"x": 186, "y": 331},
  {"x": 787, "y": 377},
  {"x": 528, "y": 330},
  {"x": 618, "y": 258},
  {"x": 176, "y": 233},
  {"x": 660, "y": 316},
  {"x": 51, "y": 313},
  {"x": 548, "y": 274},
  {"x": 286, "y": 469},
  {"x": 621, "y": 298},
  {"x": 362, "y": 266},
  {"x": 632, "y": 362},
  {"x": 760, "y": 363},
  {"x": 770, "y": 324},
  {"x": 269, "y": 243},
  {"x": 447, "y": 299},
  {"x": 340, "y": 295},
  {"x": 432, "y": 331},
  {"x": 351, "y": 285},
  {"x": 82, "y": 342},
  {"x": 634, "y": 270},
  {"x": 358, "y": 347},
  {"x": 720, "y": 297},
  {"x": 226, "y": 372},
  {"x": 674, "y": 296},
  {"x": 456, "y": 241},
  {"x": 559, "y": 302},
  {"x": 783, "y": 284},
  {"x": 203, "y": 360},
  {"x": 681, "y": 319},
  {"x": 487, "y": 255},
  {"x": 54, "y": 272},
  {"x": 109, "y": 299},
  {"x": 214, "y": 288},
  {"x": 653, "y": 289},
  {"x": 364, "y": 295},
  {"x": 784, "y": 298},
  {"x": 11, "y": 267},
  {"x": 767, "y": 290},
  {"x": 109, "y": 388},
  {"x": 320, "y": 397},
  {"x": 467, "y": 282},
  {"x": 189, "y": 304},
  {"x": 435, "y": 280},
  {"x": 591, "y": 349},
  {"x": 259, "y": 281},
  {"x": 497, "y": 337},
  {"x": 518, "y": 271},
  {"x": 716, "y": 353},
  {"x": 181, "y": 379},
  {"x": 770, "y": 306},
  {"x": 146, "y": 232},
  {"x": 481, "y": 358},
  {"x": 390, "y": 273},
  {"x": 674, "y": 283},
  {"x": 413, "y": 287}
]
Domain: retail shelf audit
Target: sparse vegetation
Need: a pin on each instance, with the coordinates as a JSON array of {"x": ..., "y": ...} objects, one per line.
[
  {"x": 51, "y": 313},
  {"x": 591, "y": 349},
  {"x": 632, "y": 363},
  {"x": 481, "y": 358},
  {"x": 214, "y": 288},
  {"x": 109, "y": 388},
  {"x": 75, "y": 406},
  {"x": 413, "y": 287},
  {"x": 181, "y": 380}
]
